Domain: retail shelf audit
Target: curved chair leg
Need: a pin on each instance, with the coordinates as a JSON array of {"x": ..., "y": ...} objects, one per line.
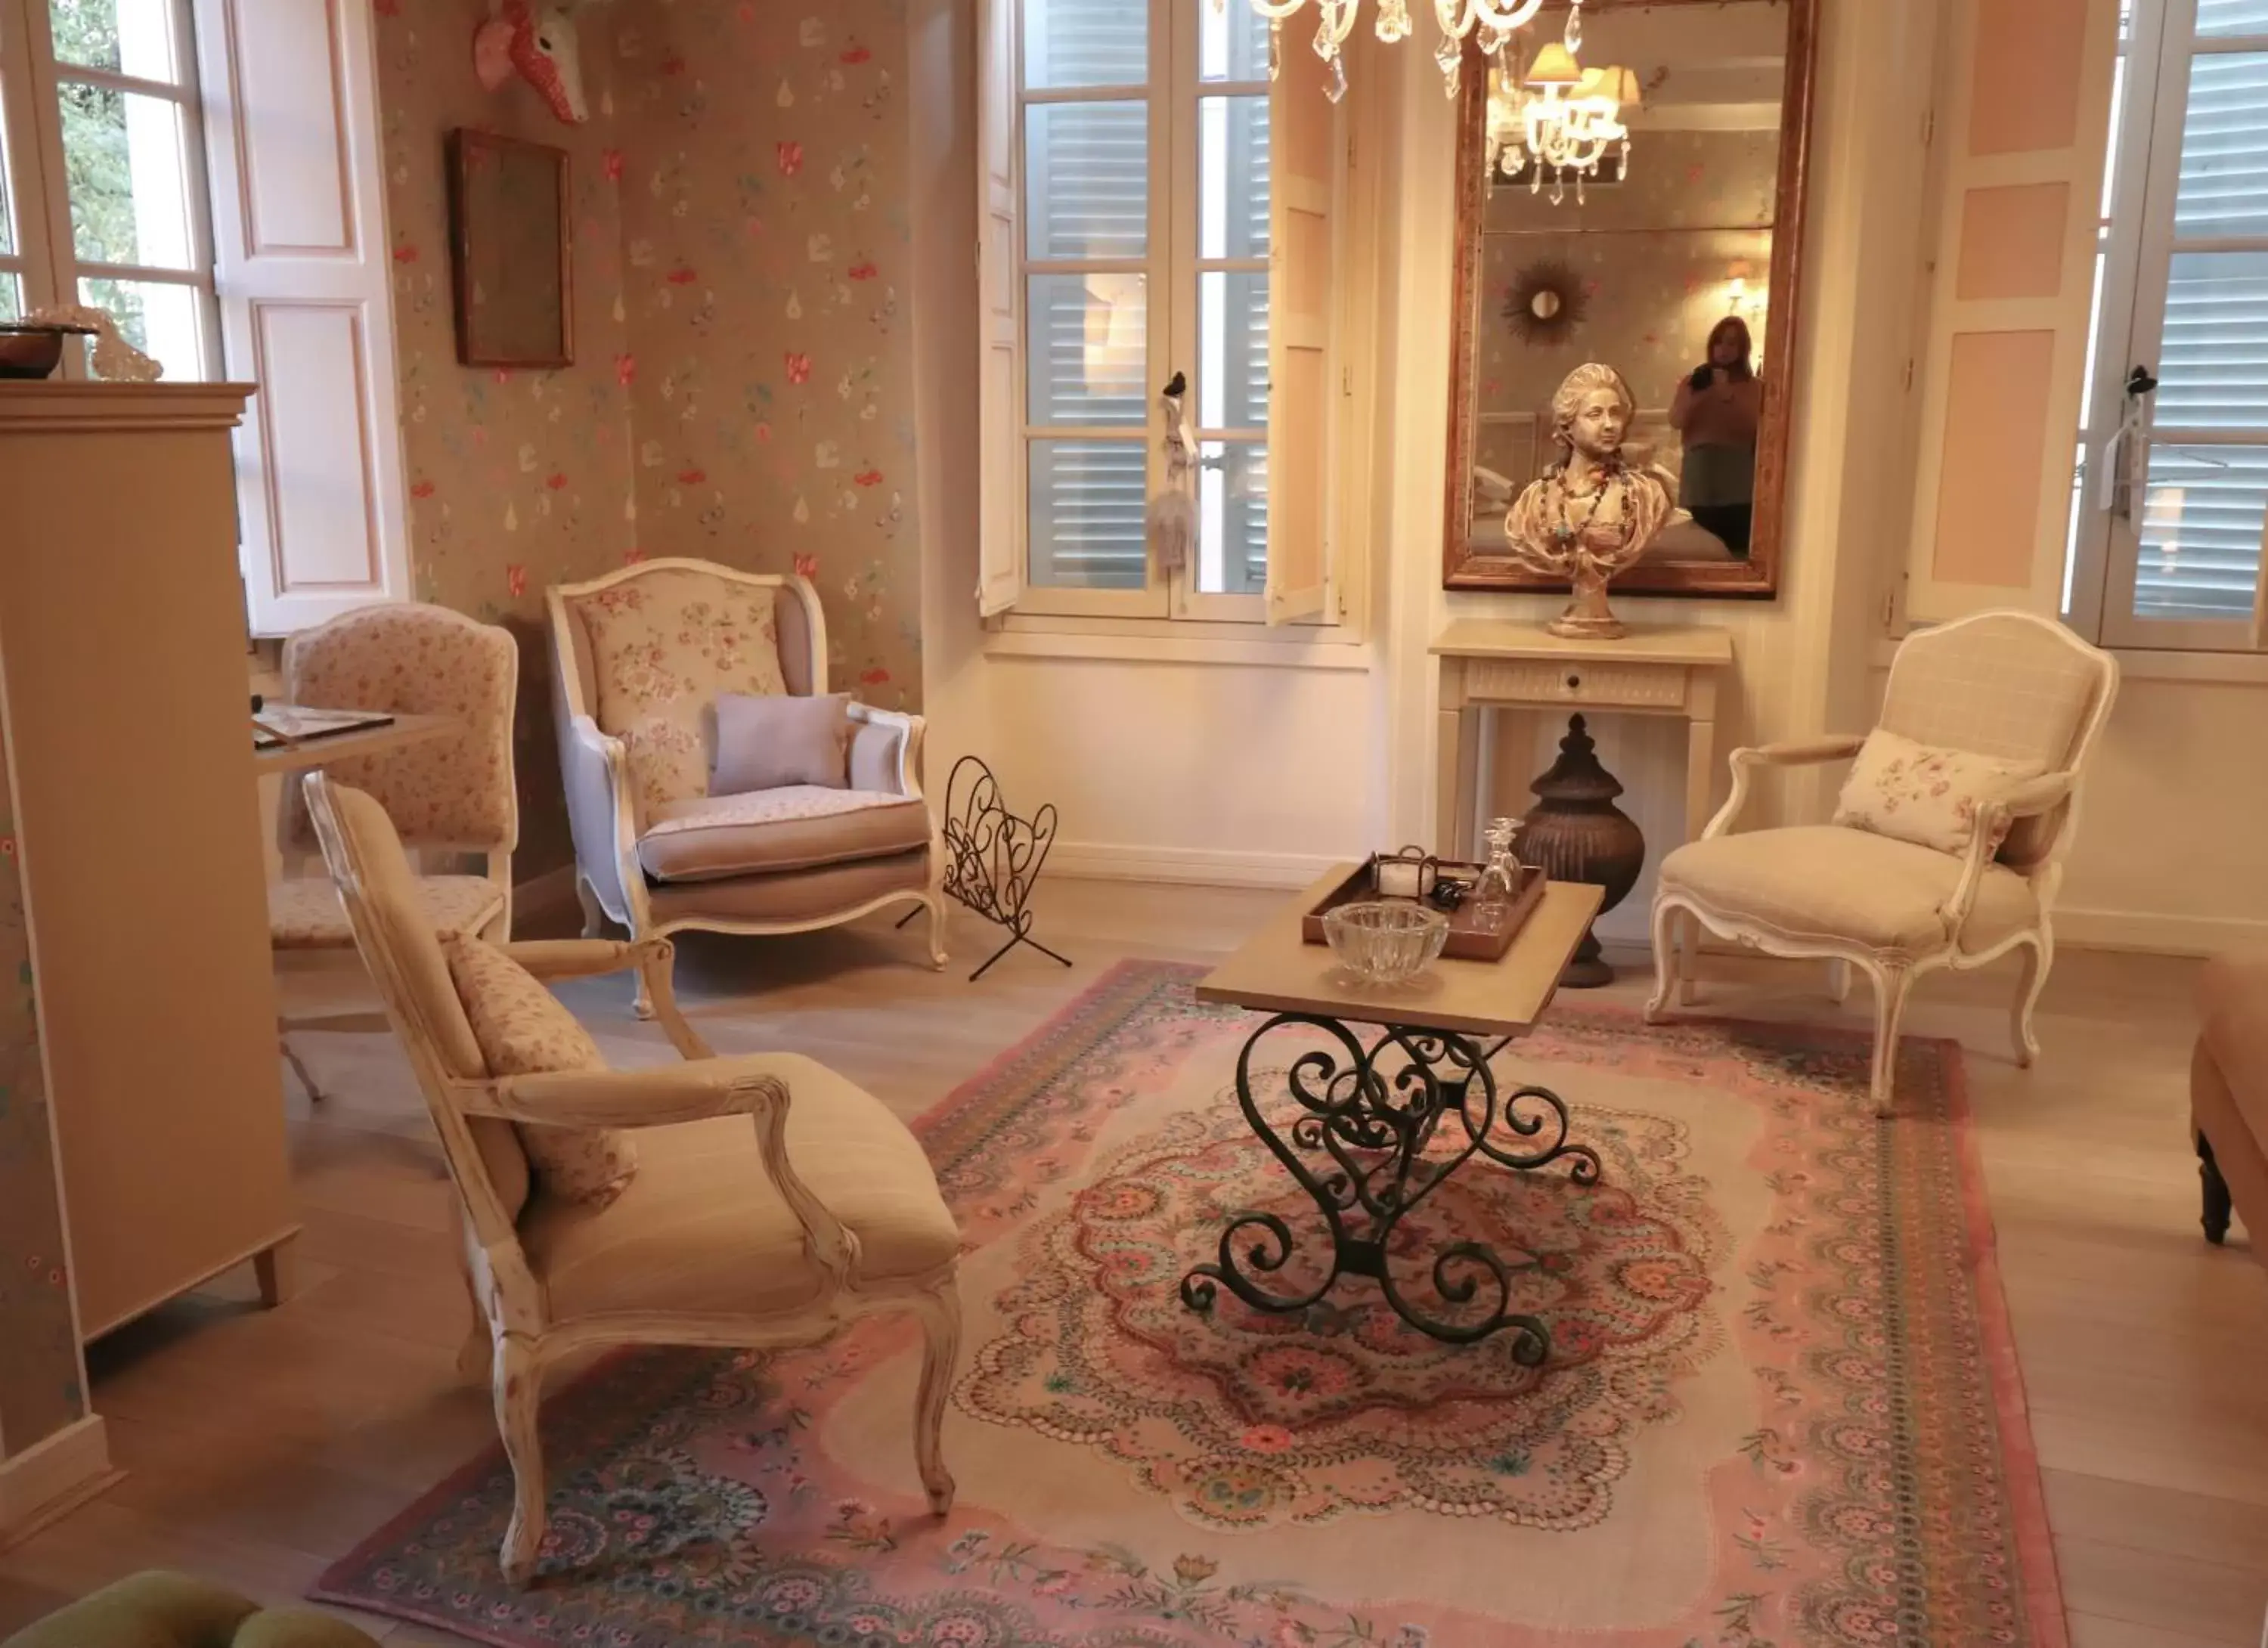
[
  {"x": 594, "y": 913},
  {"x": 1689, "y": 959},
  {"x": 518, "y": 1388},
  {"x": 940, "y": 1315},
  {"x": 1666, "y": 937},
  {"x": 937, "y": 956},
  {"x": 2039, "y": 956},
  {"x": 657, "y": 988},
  {"x": 1891, "y": 987}
]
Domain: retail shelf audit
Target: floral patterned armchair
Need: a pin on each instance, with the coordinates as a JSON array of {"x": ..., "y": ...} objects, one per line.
[{"x": 639, "y": 658}]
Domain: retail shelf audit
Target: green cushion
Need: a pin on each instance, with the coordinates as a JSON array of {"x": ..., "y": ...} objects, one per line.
[{"x": 172, "y": 1610}]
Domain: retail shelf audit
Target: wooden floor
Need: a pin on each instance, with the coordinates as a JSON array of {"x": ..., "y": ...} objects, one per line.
[{"x": 259, "y": 1445}]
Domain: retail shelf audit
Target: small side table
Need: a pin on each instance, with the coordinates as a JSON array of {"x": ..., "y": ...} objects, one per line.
[
  {"x": 1398, "y": 1096},
  {"x": 1656, "y": 669}
]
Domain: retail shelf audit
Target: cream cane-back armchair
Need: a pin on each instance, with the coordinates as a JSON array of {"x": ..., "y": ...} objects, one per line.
[
  {"x": 454, "y": 796},
  {"x": 771, "y": 1201},
  {"x": 639, "y": 658},
  {"x": 2005, "y": 686}
]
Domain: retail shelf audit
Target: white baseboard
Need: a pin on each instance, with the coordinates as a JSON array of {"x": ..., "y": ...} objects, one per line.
[
  {"x": 52, "y": 1474},
  {"x": 2151, "y": 934},
  {"x": 1107, "y": 861}
]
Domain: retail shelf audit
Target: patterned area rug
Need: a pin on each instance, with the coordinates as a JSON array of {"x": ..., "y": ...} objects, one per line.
[{"x": 1781, "y": 1405}]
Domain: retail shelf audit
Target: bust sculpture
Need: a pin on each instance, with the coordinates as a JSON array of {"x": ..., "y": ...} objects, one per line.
[{"x": 1593, "y": 513}]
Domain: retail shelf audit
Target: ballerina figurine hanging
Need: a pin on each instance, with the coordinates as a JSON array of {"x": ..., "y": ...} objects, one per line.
[{"x": 1593, "y": 513}]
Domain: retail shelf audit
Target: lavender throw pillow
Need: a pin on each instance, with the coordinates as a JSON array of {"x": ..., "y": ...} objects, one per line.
[{"x": 772, "y": 742}]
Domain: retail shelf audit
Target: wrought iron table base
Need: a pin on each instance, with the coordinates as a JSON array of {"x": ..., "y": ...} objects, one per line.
[{"x": 1374, "y": 1123}]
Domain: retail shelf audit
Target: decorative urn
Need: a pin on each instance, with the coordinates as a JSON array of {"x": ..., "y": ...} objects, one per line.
[{"x": 1576, "y": 832}]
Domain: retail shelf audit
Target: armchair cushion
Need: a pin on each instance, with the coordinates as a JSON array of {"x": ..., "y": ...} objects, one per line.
[
  {"x": 771, "y": 743},
  {"x": 766, "y": 832},
  {"x": 703, "y": 1229},
  {"x": 305, "y": 912},
  {"x": 1820, "y": 881},
  {"x": 1926, "y": 794},
  {"x": 663, "y": 646},
  {"x": 524, "y": 1030}
]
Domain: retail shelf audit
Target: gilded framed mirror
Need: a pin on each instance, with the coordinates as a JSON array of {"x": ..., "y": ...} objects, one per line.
[{"x": 1671, "y": 249}]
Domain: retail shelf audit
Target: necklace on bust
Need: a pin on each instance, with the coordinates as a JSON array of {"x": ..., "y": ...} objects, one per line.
[{"x": 1614, "y": 479}]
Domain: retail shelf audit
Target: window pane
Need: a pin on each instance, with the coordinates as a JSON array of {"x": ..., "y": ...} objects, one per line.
[
  {"x": 1232, "y": 42},
  {"x": 1085, "y": 43},
  {"x": 127, "y": 157},
  {"x": 157, "y": 318},
  {"x": 2225, "y": 147},
  {"x": 2232, "y": 16},
  {"x": 2201, "y": 526},
  {"x": 2215, "y": 371},
  {"x": 1233, "y": 351},
  {"x": 12, "y": 297},
  {"x": 1090, "y": 502},
  {"x": 1086, "y": 180},
  {"x": 1233, "y": 518},
  {"x": 1233, "y": 177},
  {"x": 1088, "y": 354},
  {"x": 133, "y": 37}
]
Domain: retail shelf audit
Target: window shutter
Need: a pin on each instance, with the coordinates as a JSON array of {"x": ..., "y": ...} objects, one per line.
[
  {"x": 1001, "y": 518},
  {"x": 1303, "y": 135},
  {"x": 2010, "y": 311},
  {"x": 302, "y": 267}
]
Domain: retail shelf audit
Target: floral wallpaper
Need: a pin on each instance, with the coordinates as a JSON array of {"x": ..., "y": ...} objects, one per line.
[
  {"x": 765, "y": 212},
  {"x": 742, "y": 384},
  {"x": 40, "y": 1390}
]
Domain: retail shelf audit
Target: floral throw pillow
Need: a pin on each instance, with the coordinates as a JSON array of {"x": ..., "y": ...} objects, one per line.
[
  {"x": 663, "y": 647},
  {"x": 1919, "y": 793},
  {"x": 525, "y": 1030}
]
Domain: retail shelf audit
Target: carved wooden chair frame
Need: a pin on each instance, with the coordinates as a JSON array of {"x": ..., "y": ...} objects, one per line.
[
  {"x": 1895, "y": 974},
  {"x": 515, "y": 1335}
]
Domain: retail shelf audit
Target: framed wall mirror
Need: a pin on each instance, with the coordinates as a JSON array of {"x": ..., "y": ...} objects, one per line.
[{"x": 1676, "y": 260}]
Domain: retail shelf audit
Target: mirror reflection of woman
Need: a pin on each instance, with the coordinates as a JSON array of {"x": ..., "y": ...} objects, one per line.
[{"x": 1717, "y": 411}]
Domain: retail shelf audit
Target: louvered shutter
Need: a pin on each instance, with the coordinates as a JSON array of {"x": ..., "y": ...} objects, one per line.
[
  {"x": 2201, "y": 509},
  {"x": 1305, "y": 138},
  {"x": 302, "y": 268},
  {"x": 999, "y": 390},
  {"x": 2010, "y": 311}
]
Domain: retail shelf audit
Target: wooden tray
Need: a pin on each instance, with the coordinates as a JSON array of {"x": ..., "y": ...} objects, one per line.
[{"x": 1467, "y": 942}]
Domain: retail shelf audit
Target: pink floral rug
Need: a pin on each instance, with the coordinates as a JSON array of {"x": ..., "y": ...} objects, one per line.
[{"x": 1781, "y": 1406}]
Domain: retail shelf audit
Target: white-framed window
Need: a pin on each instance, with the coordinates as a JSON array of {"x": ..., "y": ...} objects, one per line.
[
  {"x": 211, "y": 171},
  {"x": 1155, "y": 207},
  {"x": 106, "y": 193},
  {"x": 2170, "y": 506}
]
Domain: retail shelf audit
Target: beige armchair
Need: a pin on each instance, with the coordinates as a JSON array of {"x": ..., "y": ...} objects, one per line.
[
  {"x": 2002, "y": 684},
  {"x": 454, "y": 796},
  {"x": 773, "y": 1202},
  {"x": 640, "y": 658}
]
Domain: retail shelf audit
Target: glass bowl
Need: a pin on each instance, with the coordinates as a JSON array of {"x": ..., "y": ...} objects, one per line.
[{"x": 1390, "y": 941}]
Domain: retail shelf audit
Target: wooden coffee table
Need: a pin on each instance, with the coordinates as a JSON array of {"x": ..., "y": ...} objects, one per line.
[{"x": 1371, "y": 1101}]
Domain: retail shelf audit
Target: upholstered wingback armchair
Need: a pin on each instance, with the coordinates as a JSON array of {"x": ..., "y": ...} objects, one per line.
[
  {"x": 2005, "y": 686},
  {"x": 640, "y": 658},
  {"x": 767, "y": 1202}
]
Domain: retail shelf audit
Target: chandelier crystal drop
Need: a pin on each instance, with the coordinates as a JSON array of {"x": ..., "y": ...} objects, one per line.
[
  {"x": 1492, "y": 21},
  {"x": 1564, "y": 118}
]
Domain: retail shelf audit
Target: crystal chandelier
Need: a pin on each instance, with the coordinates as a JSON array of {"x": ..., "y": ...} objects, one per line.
[
  {"x": 1492, "y": 21},
  {"x": 1564, "y": 121}
]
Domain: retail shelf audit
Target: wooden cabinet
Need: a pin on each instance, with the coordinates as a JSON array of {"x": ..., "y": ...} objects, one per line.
[{"x": 122, "y": 680}]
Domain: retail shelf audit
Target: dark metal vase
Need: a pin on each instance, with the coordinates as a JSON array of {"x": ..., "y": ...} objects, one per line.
[{"x": 1576, "y": 832}]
